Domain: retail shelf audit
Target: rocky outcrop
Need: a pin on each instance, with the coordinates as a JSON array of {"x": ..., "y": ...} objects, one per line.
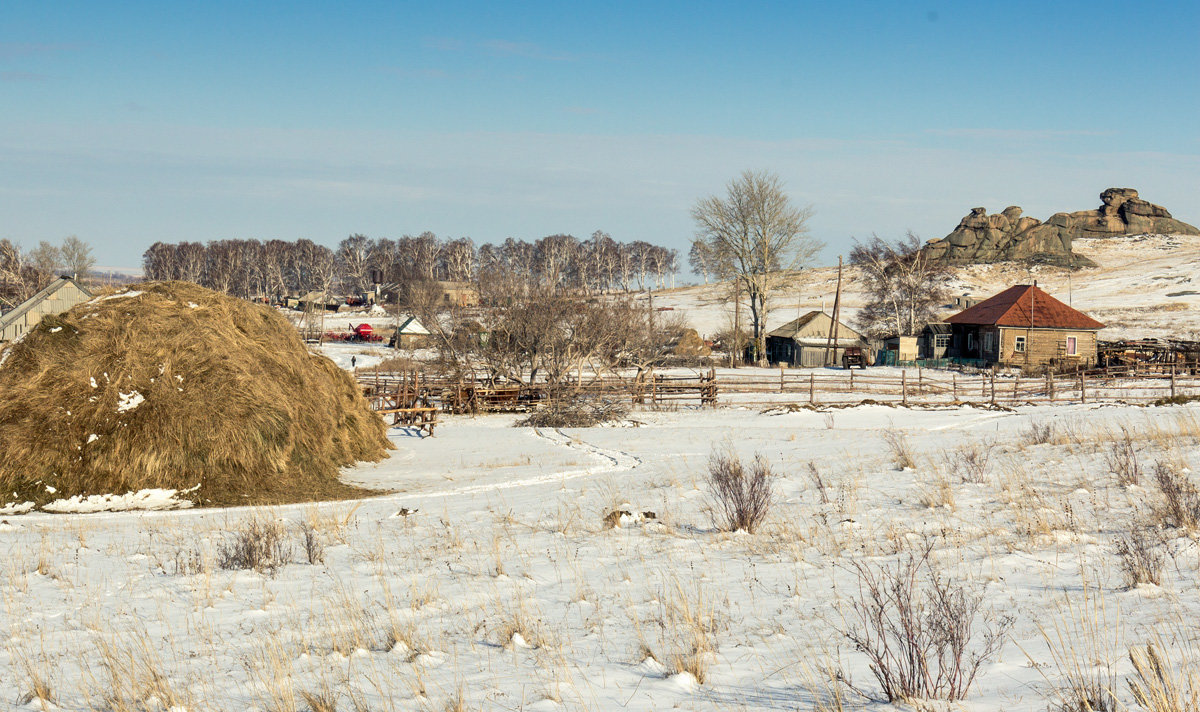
[{"x": 1007, "y": 235}]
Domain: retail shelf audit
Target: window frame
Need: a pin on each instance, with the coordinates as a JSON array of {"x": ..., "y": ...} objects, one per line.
[
  {"x": 1072, "y": 345},
  {"x": 1019, "y": 344}
]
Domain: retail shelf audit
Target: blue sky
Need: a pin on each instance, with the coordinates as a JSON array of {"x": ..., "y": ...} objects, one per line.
[{"x": 126, "y": 123}]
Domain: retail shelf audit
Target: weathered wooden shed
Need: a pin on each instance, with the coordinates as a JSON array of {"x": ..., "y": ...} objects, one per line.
[
  {"x": 804, "y": 341},
  {"x": 57, "y": 297},
  {"x": 1024, "y": 326}
]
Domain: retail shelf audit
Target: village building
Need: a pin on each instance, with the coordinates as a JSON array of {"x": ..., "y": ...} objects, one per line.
[
  {"x": 57, "y": 297},
  {"x": 1024, "y": 326},
  {"x": 410, "y": 334},
  {"x": 934, "y": 341},
  {"x": 805, "y": 341}
]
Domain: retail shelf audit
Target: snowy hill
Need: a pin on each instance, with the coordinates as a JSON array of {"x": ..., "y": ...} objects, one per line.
[{"x": 1145, "y": 286}]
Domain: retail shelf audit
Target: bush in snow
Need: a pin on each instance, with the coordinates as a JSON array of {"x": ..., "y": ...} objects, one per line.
[
  {"x": 741, "y": 497},
  {"x": 260, "y": 544},
  {"x": 918, "y": 629}
]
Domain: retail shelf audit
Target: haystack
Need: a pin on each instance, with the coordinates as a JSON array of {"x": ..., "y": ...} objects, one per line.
[{"x": 173, "y": 386}]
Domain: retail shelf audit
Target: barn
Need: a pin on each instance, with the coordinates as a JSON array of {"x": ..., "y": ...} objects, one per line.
[
  {"x": 57, "y": 297},
  {"x": 804, "y": 341},
  {"x": 1024, "y": 326}
]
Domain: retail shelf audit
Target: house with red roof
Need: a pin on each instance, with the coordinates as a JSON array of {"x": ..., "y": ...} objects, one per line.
[{"x": 1024, "y": 326}]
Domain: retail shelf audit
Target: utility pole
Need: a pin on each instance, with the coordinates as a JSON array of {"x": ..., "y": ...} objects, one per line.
[{"x": 833, "y": 327}]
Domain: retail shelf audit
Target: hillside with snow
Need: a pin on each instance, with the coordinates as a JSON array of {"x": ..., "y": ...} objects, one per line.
[{"x": 1144, "y": 286}]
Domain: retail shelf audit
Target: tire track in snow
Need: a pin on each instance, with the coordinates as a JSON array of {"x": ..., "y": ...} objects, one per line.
[
  {"x": 620, "y": 459},
  {"x": 614, "y": 461}
]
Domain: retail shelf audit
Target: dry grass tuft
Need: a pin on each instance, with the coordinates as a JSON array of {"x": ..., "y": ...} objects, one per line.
[
  {"x": 1158, "y": 687},
  {"x": 174, "y": 386}
]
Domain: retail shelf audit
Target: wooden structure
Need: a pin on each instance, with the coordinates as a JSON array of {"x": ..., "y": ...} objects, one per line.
[
  {"x": 405, "y": 400},
  {"x": 808, "y": 340},
  {"x": 1024, "y": 326},
  {"x": 57, "y": 297}
]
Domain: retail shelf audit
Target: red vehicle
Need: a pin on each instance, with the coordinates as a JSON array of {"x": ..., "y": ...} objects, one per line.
[{"x": 362, "y": 332}]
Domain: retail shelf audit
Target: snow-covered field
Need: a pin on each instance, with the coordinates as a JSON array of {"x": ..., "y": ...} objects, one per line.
[
  {"x": 489, "y": 578},
  {"x": 1144, "y": 286}
]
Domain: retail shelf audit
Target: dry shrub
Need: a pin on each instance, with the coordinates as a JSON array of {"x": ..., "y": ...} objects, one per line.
[
  {"x": 1140, "y": 550},
  {"x": 970, "y": 462},
  {"x": 1038, "y": 433},
  {"x": 310, "y": 538},
  {"x": 260, "y": 544},
  {"x": 575, "y": 412},
  {"x": 235, "y": 411},
  {"x": 897, "y": 443},
  {"x": 1122, "y": 459},
  {"x": 1180, "y": 504},
  {"x": 918, "y": 630},
  {"x": 741, "y": 499}
]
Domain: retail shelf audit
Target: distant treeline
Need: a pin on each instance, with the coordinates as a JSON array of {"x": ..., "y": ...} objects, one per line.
[{"x": 248, "y": 268}]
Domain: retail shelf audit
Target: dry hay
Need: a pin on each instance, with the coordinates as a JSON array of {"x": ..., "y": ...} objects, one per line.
[{"x": 235, "y": 407}]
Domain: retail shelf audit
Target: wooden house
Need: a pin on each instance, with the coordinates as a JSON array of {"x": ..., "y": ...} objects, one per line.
[
  {"x": 410, "y": 334},
  {"x": 57, "y": 297},
  {"x": 1024, "y": 326},
  {"x": 805, "y": 341}
]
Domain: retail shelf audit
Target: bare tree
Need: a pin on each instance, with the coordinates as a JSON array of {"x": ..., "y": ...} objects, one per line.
[
  {"x": 14, "y": 273},
  {"x": 44, "y": 261},
  {"x": 700, "y": 258},
  {"x": 904, "y": 286},
  {"x": 754, "y": 234},
  {"x": 353, "y": 260},
  {"x": 77, "y": 257}
]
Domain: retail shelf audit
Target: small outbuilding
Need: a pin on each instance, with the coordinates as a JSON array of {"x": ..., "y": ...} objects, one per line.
[
  {"x": 410, "y": 334},
  {"x": 1024, "y": 326},
  {"x": 805, "y": 341},
  {"x": 57, "y": 297}
]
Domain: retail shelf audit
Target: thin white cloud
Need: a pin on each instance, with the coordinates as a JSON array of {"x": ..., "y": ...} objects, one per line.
[
  {"x": 23, "y": 77},
  {"x": 12, "y": 50},
  {"x": 528, "y": 50},
  {"x": 1016, "y": 134}
]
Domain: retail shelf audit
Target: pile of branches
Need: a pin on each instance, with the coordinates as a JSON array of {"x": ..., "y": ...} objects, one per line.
[{"x": 576, "y": 412}]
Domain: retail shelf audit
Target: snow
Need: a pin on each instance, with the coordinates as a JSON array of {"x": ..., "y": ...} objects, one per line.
[
  {"x": 128, "y": 401},
  {"x": 119, "y": 295},
  {"x": 501, "y": 580},
  {"x": 147, "y": 499}
]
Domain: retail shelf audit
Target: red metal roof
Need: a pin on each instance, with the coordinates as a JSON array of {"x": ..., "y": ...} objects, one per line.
[{"x": 1014, "y": 306}]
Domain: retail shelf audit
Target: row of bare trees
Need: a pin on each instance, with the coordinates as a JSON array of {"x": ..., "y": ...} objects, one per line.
[
  {"x": 246, "y": 268},
  {"x": 24, "y": 272}
]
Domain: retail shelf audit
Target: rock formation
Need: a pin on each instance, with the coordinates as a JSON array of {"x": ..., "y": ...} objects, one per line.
[{"x": 980, "y": 237}]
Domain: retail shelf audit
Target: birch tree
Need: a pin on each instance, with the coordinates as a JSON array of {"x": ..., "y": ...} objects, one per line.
[{"x": 754, "y": 234}]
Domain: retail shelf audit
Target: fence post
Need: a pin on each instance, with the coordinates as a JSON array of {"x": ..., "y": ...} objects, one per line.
[
  {"x": 1017, "y": 388},
  {"x": 904, "y": 387},
  {"x": 920, "y": 380},
  {"x": 954, "y": 385},
  {"x": 1172, "y": 380},
  {"x": 811, "y": 389},
  {"x": 1082, "y": 388},
  {"x": 781, "y": 376},
  {"x": 851, "y": 380},
  {"x": 992, "y": 375}
]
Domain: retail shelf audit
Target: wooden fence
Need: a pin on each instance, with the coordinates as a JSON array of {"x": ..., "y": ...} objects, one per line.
[{"x": 762, "y": 387}]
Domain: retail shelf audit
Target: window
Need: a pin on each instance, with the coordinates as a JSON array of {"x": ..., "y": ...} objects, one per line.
[
  {"x": 1072, "y": 346},
  {"x": 989, "y": 342},
  {"x": 1019, "y": 346},
  {"x": 971, "y": 341},
  {"x": 941, "y": 341}
]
